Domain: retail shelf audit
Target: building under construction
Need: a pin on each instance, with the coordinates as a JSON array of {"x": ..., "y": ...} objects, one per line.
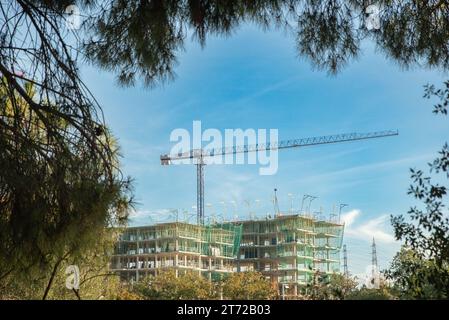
[
  {"x": 209, "y": 250},
  {"x": 288, "y": 249}
]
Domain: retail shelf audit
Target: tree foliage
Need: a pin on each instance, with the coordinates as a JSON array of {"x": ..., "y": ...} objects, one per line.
[
  {"x": 426, "y": 232},
  {"x": 192, "y": 286},
  {"x": 442, "y": 94},
  {"x": 60, "y": 182},
  {"x": 167, "y": 286},
  {"x": 364, "y": 293},
  {"x": 147, "y": 36},
  {"x": 412, "y": 276},
  {"x": 335, "y": 287},
  {"x": 56, "y": 196},
  {"x": 248, "y": 286},
  {"x": 425, "y": 262},
  {"x": 96, "y": 281}
]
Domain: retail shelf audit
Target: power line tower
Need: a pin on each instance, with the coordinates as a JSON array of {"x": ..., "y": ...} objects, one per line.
[
  {"x": 373, "y": 259},
  {"x": 345, "y": 261}
]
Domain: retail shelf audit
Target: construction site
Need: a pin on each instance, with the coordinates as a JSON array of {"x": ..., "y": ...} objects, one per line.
[{"x": 289, "y": 249}]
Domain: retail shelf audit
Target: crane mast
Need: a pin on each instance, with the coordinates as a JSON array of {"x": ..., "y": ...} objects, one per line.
[
  {"x": 200, "y": 190},
  {"x": 201, "y": 154}
]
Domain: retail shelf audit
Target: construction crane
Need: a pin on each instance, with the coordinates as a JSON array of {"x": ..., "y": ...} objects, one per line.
[{"x": 200, "y": 154}]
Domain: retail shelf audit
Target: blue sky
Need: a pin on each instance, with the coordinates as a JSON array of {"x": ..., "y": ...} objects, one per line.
[{"x": 255, "y": 79}]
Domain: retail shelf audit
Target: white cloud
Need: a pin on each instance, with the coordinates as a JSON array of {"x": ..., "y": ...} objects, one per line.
[
  {"x": 376, "y": 227},
  {"x": 370, "y": 167},
  {"x": 224, "y": 183},
  {"x": 261, "y": 92},
  {"x": 349, "y": 217}
]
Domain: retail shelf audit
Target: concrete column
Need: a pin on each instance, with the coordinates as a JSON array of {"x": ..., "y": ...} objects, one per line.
[{"x": 136, "y": 261}]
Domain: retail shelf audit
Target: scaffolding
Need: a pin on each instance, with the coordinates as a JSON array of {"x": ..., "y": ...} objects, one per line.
[
  {"x": 210, "y": 250},
  {"x": 290, "y": 250}
]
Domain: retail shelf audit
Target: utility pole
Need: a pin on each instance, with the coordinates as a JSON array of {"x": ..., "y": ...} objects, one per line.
[
  {"x": 248, "y": 204},
  {"x": 332, "y": 215},
  {"x": 345, "y": 262},
  {"x": 342, "y": 205},
  {"x": 310, "y": 202},
  {"x": 276, "y": 203},
  {"x": 302, "y": 202},
  {"x": 290, "y": 195},
  {"x": 257, "y": 201}
]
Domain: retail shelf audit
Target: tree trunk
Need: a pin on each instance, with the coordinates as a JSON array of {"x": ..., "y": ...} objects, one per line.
[{"x": 53, "y": 274}]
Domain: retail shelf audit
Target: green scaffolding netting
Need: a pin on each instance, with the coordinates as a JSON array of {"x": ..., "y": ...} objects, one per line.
[
  {"x": 223, "y": 238},
  {"x": 211, "y": 240}
]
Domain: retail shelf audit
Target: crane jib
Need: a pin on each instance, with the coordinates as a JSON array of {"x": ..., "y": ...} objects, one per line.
[
  {"x": 200, "y": 154},
  {"x": 304, "y": 142}
]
